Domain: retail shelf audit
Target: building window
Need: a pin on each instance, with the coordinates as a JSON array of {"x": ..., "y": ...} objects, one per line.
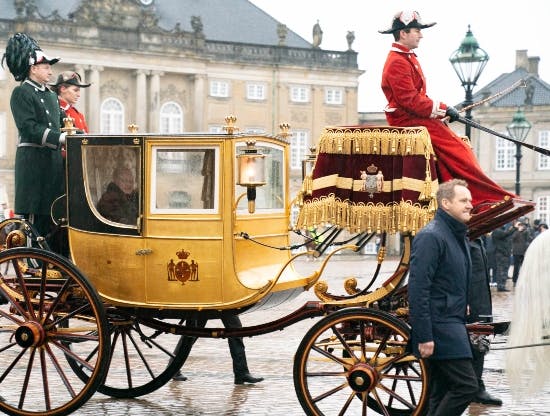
[
  {"x": 219, "y": 89},
  {"x": 299, "y": 143},
  {"x": 334, "y": 96},
  {"x": 213, "y": 128},
  {"x": 299, "y": 94},
  {"x": 543, "y": 209},
  {"x": 544, "y": 142},
  {"x": 112, "y": 117},
  {"x": 254, "y": 130},
  {"x": 3, "y": 144},
  {"x": 255, "y": 91},
  {"x": 506, "y": 155},
  {"x": 171, "y": 118}
]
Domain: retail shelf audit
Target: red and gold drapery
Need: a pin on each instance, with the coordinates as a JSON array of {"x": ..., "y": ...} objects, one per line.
[{"x": 371, "y": 179}]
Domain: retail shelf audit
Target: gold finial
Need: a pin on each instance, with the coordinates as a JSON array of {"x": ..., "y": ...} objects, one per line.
[
  {"x": 68, "y": 125},
  {"x": 133, "y": 128},
  {"x": 230, "y": 127},
  {"x": 285, "y": 127}
]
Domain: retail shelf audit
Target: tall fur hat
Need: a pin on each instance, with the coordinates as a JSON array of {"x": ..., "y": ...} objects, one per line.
[{"x": 23, "y": 51}]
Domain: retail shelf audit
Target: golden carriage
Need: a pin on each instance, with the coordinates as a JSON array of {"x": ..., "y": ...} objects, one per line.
[{"x": 209, "y": 235}]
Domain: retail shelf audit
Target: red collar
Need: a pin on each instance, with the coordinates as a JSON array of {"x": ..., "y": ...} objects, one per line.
[
  {"x": 64, "y": 105},
  {"x": 397, "y": 47}
]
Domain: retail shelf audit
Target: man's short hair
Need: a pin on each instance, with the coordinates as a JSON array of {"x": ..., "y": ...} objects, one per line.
[
  {"x": 446, "y": 190},
  {"x": 397, "y": 33}
]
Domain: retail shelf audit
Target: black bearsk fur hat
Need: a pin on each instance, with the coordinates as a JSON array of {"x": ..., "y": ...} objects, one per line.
[{"x": 19, "y": 50}]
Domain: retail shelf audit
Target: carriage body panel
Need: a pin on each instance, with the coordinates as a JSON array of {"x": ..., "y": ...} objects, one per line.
[{"x": 183, "y": 249}]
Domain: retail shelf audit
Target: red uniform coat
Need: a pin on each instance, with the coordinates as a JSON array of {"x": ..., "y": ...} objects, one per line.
[
  {"x": 404, "y": 85},
  {"x": 77, "y": 116}
]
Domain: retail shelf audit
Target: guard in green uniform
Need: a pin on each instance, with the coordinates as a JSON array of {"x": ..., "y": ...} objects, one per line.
[{"x": 38, "y": 163}]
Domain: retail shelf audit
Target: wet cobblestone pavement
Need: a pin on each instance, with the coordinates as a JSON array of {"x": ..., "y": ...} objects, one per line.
[{"x": 210, "y": 390}]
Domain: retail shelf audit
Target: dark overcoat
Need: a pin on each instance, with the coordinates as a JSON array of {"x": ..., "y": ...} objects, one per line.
[
  {"x": 440, "y": 271},
  {"x": 38, "y": 162},
  {"x": 479, "y": 290}
]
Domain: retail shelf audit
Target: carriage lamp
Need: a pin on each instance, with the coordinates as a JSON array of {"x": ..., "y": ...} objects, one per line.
[
  {"x": 307, "y": 171},
  {"x": 309, "y": 162},
  {"x": 251, "y": 172}
]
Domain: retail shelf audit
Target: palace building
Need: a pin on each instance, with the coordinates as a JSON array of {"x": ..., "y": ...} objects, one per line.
[{"x": 173, "y": 66}]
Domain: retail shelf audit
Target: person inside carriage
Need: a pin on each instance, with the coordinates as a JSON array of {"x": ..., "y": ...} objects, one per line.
[
  {"x": 120, "y": 202},
  {"x": 404, "y": 86}
]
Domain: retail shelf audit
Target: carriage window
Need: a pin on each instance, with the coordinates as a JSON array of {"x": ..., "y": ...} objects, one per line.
[
  {"x": 269, "y": 197},
  {"x": 112, "y": 183},
  {"x": 185, "y": 180}
]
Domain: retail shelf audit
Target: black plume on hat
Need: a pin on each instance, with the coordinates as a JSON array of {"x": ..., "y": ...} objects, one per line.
[
  {"x": 23, "y": 51},
  {"x": 19, "y": 49}
]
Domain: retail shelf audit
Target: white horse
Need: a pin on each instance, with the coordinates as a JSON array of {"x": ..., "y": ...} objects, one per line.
[{"x": 529, "y": 368}]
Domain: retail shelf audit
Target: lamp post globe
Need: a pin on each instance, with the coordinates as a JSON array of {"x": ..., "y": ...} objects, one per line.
[
  {"x": 468, "y": 61},
  {"x": 518, "y": 130}
]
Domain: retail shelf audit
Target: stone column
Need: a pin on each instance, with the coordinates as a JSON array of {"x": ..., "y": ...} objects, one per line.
[
  {"x": 317, "y": 114},
  {"x": 82, "y": 104},
  {"x": 141, "y": 100},
  {"x": 199, "y": 98},
  {"x": 154, "y": 101},
  {"x": 94, "y": 104}
]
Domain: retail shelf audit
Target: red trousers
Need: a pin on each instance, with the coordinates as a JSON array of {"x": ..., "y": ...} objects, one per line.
[{"x": 455, "y": 158}]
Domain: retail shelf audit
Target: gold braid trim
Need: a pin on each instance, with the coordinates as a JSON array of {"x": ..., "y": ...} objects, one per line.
[
  {"x": 404, "y": 216},
  {"x": 393, "y": 185},
  {"x": 382, "y": 140}
]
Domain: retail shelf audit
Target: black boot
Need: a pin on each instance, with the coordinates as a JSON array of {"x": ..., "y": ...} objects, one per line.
[
  {"x": 485, "y": 398},
  {"x": 179, "y": 377},
  {"x": 247, "y": 378}
]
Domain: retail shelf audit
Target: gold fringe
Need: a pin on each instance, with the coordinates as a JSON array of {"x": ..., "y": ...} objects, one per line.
[
  {"x": 404, "y": 216},
  {"x": 382, "y": 140}
]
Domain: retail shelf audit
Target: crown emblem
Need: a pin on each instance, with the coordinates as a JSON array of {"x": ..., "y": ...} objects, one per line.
[
  {"x": 182, "y": 254},
  {"x": 372, "y": 169}
]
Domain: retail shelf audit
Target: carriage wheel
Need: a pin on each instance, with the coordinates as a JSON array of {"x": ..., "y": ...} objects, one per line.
[
  {"x": 49, "y": 308},
  {"x": 354, "y": 361},
  {"x": 142, "y": 359}
]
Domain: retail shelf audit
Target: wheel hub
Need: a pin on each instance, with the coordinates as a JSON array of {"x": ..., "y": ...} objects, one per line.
[
  {"x": 30, "y": 334},
  {"x": 362, "y": 377}
]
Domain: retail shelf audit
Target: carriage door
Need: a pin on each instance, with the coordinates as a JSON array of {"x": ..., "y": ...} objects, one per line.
[{"x": 105, "y": 205}]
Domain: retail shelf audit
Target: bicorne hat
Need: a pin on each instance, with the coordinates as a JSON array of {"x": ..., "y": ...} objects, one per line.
[
  {"x": 406, "y": 19},
  {"x": 69, "y": 78}
]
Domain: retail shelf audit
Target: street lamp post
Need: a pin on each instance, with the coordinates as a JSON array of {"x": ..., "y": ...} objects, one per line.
[
  {"x": 468, "y": 61},
  {"x": 518, "y": 130}
]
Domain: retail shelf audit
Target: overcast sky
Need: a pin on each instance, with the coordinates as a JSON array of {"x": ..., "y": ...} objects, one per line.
[{"x": 500, "y": 28}]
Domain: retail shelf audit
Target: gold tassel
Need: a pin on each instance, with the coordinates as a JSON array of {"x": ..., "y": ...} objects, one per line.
[{"x": 307, "y": 185}]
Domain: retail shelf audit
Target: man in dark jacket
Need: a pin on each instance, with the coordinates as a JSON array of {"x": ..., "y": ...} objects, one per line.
[
  {"x": 480, "y": 310},
  {"x": 502, "y": 239},
  {"x": 520, "y": 242},
  {"x": 439, "y": 276}
]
